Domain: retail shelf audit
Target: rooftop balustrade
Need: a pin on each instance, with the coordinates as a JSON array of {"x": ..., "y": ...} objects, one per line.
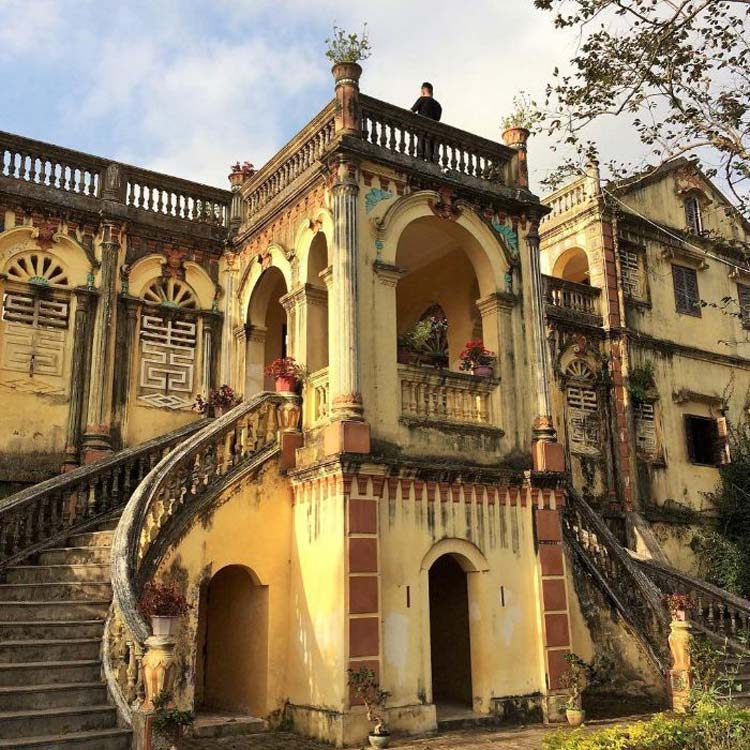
[{"x": 93, "y": 180}]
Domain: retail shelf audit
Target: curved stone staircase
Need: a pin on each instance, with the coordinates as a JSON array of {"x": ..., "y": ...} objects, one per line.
[
  {"x": 55, "y": 549},
  {"x": 51, "y": 691}
]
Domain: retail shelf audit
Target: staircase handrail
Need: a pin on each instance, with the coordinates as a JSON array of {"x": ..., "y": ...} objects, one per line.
[
  {"x": 48, "y": 512},
  {"x": 628, "y": 588},
  {"x": 180, "y": 484},
  {"x": 717, "y": 613}
]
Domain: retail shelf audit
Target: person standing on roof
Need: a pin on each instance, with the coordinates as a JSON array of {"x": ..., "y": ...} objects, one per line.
[{"x": 427, "y": 105}]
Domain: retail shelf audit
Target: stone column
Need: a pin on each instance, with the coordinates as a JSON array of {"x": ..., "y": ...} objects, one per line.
[
  {"x": 231, "y": 275},
  {"x": 81, "y": 351},
  {"x": 546, "y": 451},
  {"x": 349, "y": 433},
  {"x": 97, "y": 439}
]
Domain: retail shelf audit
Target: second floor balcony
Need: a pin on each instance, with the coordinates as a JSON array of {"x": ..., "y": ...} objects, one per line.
[{"x": 568, "y": 300}]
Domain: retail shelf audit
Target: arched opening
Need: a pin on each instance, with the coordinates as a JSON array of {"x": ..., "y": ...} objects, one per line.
[
  {"x": 450, "y": 643},
  {"x": 317, "y": 305},
  {"x": 573, "y": 265},
  {"x": 443, "y": 264},
  {"x": 268, "y": 336},
  {"x": 232, "y": 670}
]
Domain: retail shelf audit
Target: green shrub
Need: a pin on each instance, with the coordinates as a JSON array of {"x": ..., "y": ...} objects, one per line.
[{"x": 713, "y": 727}]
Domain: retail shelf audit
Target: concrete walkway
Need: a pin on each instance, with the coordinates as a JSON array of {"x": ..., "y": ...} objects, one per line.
[{"x": 505, "y": 738}]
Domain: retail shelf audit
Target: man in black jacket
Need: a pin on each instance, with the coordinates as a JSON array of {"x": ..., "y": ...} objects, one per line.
[{"x": 426, "y": 105}]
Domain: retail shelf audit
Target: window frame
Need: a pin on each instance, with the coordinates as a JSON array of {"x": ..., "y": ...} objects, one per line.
[
  {"x": 693, "y": 217},
  {"x": 690, "y": 440},
  {"x": 744, "y": 308},
  {"x": 694, "y": 310}
]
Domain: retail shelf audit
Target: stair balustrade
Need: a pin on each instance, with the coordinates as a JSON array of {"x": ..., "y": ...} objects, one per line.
[
  {"x": 179, "y": 487},
  {"x": 51, "y": 511},
  {"x": 625, "y": 585},
  {"x": 717, "y": 613}
]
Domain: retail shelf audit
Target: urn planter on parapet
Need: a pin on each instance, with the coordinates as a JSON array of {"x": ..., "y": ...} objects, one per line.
[
  {"x": 286, "y": 374},
  {"x": 346, "y": 71},
  {"x": 483, "y": 371}
]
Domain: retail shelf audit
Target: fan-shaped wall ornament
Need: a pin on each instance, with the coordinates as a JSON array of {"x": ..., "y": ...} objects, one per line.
[
  {"x": 170, "y": 293},
  {"x": 41, "y": 269}
]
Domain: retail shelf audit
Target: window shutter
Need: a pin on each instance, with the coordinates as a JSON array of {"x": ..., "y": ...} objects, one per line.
[
  {"x": 693, "y": 215},
  {"x": 686, "y": 293},
  {"x": 721, "y": 442},
  {"x": 743, "y": 297},
  {"x": 689, "y": 438}
]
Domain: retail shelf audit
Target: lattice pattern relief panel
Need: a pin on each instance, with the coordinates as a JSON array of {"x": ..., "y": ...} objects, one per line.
[
  {"x": 632, "y": 276},
  {"x": 583, "y": 417},
  {"x": 34, "y": 334},
  {"x": 167, "y": 369}
]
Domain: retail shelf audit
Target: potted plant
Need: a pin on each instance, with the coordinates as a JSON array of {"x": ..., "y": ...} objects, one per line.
[
  {"x": 575, "y": 679},
  {"x": 517, "y": 125},
  {"x": 475, "y": 358},
  {"x": 345, "y": 51},
  {"x": 368, "y": 689},
  {"x": 218, "y": 401},
  {"x": 414, "y": 343},
  {"x": 679, "y": 606},
  {"x": 169, "y": 723},
  {"x": 164, "y": 604},
  {"x": 286, "y": 373}
]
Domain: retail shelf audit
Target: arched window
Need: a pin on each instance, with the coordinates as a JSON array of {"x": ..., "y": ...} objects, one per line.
[
  {"x": 168, "y": 342},
  {"x": 35, "y": 314},
  {"x": 582, "y": 407}
]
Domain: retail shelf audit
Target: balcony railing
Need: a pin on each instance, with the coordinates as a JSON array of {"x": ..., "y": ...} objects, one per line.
[
  {"x": 316, "y": 399},
  {"x": 399, "y": 131},
  {"x": 290, "y": 163},
  {"x": 572, "y": 298},
  {"x": 445, "y": 397},
  {"x": 568, "y": 198},
  {"x": 94, "y": 180}
]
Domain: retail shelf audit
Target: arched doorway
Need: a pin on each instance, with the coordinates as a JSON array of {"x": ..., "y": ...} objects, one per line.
[
  {"x": 268, "y": 335},
  {"x": 316, "y": 298},
  {"x": 450, "y": 643},
  {"x": 233, "y": 660}
]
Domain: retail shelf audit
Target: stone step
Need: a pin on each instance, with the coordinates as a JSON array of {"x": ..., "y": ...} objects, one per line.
[
  {"x": 75, "y": 556},
  {"x": 92, "y": 539},
  {"x": 98, "y": 739},
  {"x": 54, "y": 610},
  {"x": 60, "y": 720},
  {"x": 47, "y": 592},
  {"x": 28, "y": 697},
  {"x": 77, "y": 649},
  {"x": 57, "y": 573},
  {"x": 21, "y": 674},
  {"x": 222, "y": 724},
  {"x": 41, "y": 630}
]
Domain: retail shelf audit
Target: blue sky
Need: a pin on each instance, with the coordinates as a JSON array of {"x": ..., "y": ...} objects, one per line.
[{"x": 189, "y": 87}]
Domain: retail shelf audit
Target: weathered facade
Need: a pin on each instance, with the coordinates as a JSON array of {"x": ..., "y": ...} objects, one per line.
[
  {"x": 647, "y": 310},
  {"x": 413, "y": 519}
]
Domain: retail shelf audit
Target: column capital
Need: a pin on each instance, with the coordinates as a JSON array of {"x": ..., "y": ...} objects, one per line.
[
  {"x": 496, "y": 302},
  {"x": 387, "y": 274}
]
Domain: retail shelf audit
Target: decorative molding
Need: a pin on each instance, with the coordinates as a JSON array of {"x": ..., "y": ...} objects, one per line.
[
  {"x": 374, "y": 196},
  {"x": 387, "y": 274}
]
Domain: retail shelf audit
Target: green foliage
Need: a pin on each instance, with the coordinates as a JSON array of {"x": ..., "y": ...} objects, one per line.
[
  {"x": 641, "y": 381},
  {"x": 169, "y": 723},
  {"x": 716, "y": 727},
  {"x": 724, "y": 551},
  {"x": 366, "y": 686},
  {"x": 525, "y": 114},
  {"x": 674, "y": 69},
  {"x": 578, "y": 675},
  {"x": 349, "y": 48}
]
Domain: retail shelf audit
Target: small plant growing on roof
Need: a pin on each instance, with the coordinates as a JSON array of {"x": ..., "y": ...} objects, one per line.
[
  {"x": 344, "y": 47},
  {"x": 525, "y": 114}
]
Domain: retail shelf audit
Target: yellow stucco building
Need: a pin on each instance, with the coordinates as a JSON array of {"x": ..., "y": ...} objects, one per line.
[{"x": 395, "y": 512}]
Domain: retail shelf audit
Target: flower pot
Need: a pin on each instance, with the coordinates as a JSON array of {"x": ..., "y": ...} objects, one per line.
[
  {"x": 218, "y": 411},
  {"x": 164, "y": 626},
  {"x": 286, "y": 384},
  {"x": 346, "y": 71},
  {"x": 379, "y": 740},
  {"x": 515, "y": 136},
  {"x": 575, "y": 716},
  {"x": 403, "y": 355},
  {"x": 483, "y": 371}
]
